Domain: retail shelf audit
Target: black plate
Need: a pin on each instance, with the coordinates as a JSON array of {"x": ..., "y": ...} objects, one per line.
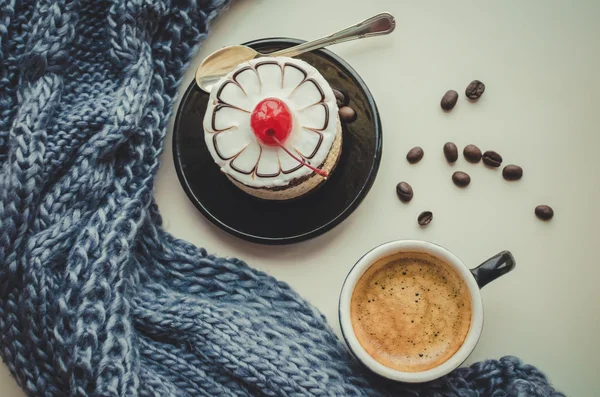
[{"x": 283, "y": 222}]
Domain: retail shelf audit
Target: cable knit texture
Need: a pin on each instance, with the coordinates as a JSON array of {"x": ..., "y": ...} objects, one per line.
[{"x": 96, "y": 299}]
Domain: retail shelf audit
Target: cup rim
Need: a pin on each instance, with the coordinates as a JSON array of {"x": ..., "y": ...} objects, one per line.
[{"x": 388, "y": 249}]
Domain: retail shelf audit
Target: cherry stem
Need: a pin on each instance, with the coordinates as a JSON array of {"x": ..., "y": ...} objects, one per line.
[{"x": 323, "y": 173}]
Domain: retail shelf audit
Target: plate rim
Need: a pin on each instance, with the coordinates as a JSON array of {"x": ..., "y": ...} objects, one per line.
[{"x": 345, "y": 213}]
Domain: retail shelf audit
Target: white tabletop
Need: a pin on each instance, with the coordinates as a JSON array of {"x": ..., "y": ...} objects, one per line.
[{"x": 540, "y": 61}]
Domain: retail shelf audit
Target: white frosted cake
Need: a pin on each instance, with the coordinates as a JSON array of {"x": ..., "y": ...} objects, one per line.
[{"x": 272, "y": 126}]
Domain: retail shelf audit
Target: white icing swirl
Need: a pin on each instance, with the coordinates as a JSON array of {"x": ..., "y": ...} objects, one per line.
[{"x": 229, "y": 136}]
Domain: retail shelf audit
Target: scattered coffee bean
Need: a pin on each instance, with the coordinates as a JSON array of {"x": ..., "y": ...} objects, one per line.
[
  {"x": 347, "y": 114},
  {"x": 544, "y": 212},
  {"x": 415, "y": 155},
  {"x": 512, "y": 172},
  {"x": 341, "y": 98},
  {"x": 461, "y": 179},
  {"x": 451, "y": 152},
  {"x": 475, "y": 89},
  {"x": 425, "y": 218},
  {"x": 472, "y": 153},
  {"x": 449, "y": 100},
  {"x": 404, "y": 192},
  {"x": 492, "y": 159}
]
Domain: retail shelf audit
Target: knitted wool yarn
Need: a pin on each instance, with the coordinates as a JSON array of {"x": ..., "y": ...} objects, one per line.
[{"x": 96, "y": 299}]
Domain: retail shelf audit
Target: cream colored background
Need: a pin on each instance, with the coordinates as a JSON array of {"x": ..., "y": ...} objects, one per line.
[{"x": 540, "y": 62}]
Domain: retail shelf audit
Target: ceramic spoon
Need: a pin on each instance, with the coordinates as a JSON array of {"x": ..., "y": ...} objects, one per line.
[{"x": 223, "y": 61}]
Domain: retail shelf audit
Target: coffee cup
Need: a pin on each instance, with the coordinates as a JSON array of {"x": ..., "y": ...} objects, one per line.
[{"x": 447, "y": 274}]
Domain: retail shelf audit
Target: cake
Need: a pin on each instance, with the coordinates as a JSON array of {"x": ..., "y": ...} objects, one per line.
[{"x": 272, "y": 126}]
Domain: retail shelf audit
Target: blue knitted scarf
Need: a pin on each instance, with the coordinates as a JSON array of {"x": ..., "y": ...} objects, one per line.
[{"x": 96, "y": 299}]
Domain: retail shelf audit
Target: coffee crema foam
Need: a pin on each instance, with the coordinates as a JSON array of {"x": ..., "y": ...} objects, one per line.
[{"x": 411, "y": 311}]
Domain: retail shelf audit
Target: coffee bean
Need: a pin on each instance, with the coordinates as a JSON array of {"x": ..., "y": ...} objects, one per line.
[
  {"x": 544, "y": 212},
  {"x": 492, "y": 159},
  {"x": 340, "y": 98},
  {"x": 404, "y": 192},
  {"x": 451, "y": 152},
  {"x": 415, "y": 155},
  {"x": 347, "y": 114},
  {"x": 475, "y": 89},
  {"x": 449, "y": 100},
  {"x": 425, "y": 218},
  {"x": 461, "y": 179},
  {"x": 512, "y": 172},
  {"x": 472, "y": 153}
]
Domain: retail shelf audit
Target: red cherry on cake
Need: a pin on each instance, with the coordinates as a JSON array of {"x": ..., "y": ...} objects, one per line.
[{"x": 271, "y": 121}]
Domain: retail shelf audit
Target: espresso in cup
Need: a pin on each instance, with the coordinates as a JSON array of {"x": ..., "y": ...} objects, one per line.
[{"x": 411, "y": 311}]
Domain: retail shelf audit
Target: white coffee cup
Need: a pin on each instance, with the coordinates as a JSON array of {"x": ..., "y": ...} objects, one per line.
[{"x": 474, "y": 279}]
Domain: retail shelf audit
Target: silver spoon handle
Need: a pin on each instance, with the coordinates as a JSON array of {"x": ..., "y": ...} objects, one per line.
[{"x": 377, "y": 25}]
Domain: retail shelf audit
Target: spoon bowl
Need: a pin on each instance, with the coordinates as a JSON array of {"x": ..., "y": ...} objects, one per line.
[{"x": 223, "y": 60}]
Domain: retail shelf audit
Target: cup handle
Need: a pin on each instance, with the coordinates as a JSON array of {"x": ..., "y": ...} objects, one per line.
[{"x": 493, "y": 268}]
